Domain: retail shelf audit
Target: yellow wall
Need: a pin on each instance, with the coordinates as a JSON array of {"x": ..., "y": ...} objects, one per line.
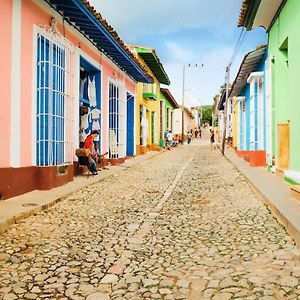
[
  {"x": 235, "y": 122},
  {"x": 151, "y": 106}
]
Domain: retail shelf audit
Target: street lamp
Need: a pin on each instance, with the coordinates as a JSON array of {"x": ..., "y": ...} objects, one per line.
[{"x": 183, "y": 92}]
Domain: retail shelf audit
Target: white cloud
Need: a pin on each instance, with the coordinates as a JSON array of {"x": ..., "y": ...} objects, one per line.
[{"x": 135, "y": 17}]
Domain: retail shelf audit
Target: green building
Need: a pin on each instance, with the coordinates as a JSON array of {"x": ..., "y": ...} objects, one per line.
[
  {"x": 167, "y": 106},
  {"x": 282, "y": 22}
]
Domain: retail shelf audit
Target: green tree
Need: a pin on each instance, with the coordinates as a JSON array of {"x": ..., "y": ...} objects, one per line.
[{"x": 207, "y": 114}]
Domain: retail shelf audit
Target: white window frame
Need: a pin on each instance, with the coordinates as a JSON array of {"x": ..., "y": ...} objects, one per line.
[
  {"x": 118, "y": 149},
  {"x": 54, "y": 38}
]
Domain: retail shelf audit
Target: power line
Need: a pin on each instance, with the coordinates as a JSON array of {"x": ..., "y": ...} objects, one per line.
[{"x": 238, "y": 44}]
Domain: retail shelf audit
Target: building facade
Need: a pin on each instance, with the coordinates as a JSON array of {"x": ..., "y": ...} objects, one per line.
[
  {"x": 148, "y": 101},
  {"x": 188, "y": 121},
  {"x": 167, "y": 106},
  {"x": 281, "y": 21},
  {"x": 249, "y": 95},
  {"x": 59, "y": 86}
]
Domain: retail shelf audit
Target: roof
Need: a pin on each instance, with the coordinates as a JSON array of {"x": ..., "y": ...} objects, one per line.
[
  {"x": 254, "y": 13},
  {"x": 151, "y": 59},
  {"x": 187, "y": 110},
  {"x": 170, "y": 97},
  {"x": 248, "y": 65},
  {"x": 83, "y": 16}
]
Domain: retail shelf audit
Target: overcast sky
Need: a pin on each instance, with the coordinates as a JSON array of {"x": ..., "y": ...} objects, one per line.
[{"x": 185, "y": 32}]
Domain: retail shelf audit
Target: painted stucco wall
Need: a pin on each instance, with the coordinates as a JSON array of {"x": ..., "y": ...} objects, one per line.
[
  {"x": 285, "y": 77},
  {"x": 235, "y": 123},
  {"x": 151, "y": 106},
  {"x": 39, "y": 13},
  {"x": 5, "y": 80},
  {"x": 166, "y": 105}
]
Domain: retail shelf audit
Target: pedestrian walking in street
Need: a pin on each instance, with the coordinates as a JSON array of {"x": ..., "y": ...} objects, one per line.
[
  {"x": 170, "y": 139},
  {"x": 166, "y": 138},
  {"x": 189, "y": 136},
  {"x": 212, "y": 139},
  {"x": 200, "y": 132}
]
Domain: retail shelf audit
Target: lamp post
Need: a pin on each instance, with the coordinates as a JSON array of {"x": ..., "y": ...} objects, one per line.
[{"x": 183, "y": 92}]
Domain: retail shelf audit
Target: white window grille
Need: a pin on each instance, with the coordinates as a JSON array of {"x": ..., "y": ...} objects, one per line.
[
  {"x": 117, "y": 122},
  {"x": 143, "y": 126},
  {"x": 260, "y": 116},
  {"x": 252, "y": 116},
  {"x": 54, "y": 106}
]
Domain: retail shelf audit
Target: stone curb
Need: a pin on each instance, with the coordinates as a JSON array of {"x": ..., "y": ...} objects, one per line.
[
  {"x": 281, "y": 218},
  {"x": 18, "y": 218}
]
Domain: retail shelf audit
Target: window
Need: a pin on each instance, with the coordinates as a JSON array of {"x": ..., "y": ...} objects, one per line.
[
  {"x": 168, "y": 119},
  {"x": 143, "y": 126},
  {"x": 54, "y": 102},
  {"x": 161, "y": 130},
  {"x": 117, "y": 125}
]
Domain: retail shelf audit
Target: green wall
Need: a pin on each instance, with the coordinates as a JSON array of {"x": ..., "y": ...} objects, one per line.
[
  {"x": 284, "y": 52},
  {"x": 166, "y": 105}
]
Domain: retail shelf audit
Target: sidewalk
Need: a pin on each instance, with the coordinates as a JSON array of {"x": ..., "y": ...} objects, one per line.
[
  {"x": 275, "y": 193},
  {"x": 17, "y": 208}
]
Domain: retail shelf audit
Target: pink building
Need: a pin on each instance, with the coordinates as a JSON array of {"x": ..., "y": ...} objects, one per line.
[{"x": 66, "y": 72}]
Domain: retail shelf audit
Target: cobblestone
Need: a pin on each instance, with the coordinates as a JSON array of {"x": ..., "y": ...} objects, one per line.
[{"x": 184, "y": 225}]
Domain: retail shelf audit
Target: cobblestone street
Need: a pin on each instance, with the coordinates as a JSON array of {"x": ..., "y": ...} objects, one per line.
[{"x": 183, "y": 225}]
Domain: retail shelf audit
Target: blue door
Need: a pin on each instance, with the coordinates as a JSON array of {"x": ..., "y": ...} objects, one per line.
[{"x": 130, "y": 125}]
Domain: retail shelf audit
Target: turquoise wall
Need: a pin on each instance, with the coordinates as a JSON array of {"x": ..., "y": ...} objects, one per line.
[{"x": 284, "y": 51}]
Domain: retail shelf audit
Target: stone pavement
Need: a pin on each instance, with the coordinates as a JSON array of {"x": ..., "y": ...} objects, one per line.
[
  {"x": 17, "y": 208},
  {"x": 183, "y": 225},
  {"x": 275, "y": 192}
]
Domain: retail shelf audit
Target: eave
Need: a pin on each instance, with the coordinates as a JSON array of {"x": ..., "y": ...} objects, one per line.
[
  {"x": 169, "y": 97},
  {"x": 81, "y": 15},
  {"x": 259, "y": 13},
  {"x": 151, "y": 59},
  {"x": 248, "y": 65}
]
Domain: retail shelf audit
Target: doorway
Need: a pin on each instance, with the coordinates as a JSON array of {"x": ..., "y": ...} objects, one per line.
[
  {"x": 130, "y": 126},
  {"x": 283, "y": 146}
]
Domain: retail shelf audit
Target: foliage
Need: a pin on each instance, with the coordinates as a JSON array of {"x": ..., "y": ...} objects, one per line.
[{"x": 207, "y": 114}]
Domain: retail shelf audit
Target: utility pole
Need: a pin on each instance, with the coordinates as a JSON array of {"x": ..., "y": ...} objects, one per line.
[
  {"x": 182, "y": 116},
  {"x": 226, "y": 104}
]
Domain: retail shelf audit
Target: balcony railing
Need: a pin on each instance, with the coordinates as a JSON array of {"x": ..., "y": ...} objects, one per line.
[{"x": 149, "y": 91}]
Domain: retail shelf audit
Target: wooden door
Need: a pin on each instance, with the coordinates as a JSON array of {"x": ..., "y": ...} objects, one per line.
[{"x": 283, "y": 146}]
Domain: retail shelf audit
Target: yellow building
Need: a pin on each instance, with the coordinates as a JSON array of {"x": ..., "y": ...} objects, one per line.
[{"x": 148, "y": 102}]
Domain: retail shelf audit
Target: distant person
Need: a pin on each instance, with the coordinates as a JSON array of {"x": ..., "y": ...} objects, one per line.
[
  {"x": 189, "y": 136},
  {"x": 200, "y": 132},
  {"x": 166, "y": 138},
  {"x": 176, "y": 141},
  {"x": 212, "y": 139},
  {"x": 170, "y": 139},
  {"x": 196, "y": 133}
]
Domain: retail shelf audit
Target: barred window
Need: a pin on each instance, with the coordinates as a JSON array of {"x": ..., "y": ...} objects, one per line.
[
  {"x": 54, "y": 117},
  {"x": 117, "y": 122}
]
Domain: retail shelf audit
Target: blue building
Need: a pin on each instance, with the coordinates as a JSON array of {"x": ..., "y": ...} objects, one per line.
[{"x": 249, "y": 94}]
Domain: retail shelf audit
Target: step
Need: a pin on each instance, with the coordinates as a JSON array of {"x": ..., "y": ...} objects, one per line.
[{"x": 295, "y": 192}]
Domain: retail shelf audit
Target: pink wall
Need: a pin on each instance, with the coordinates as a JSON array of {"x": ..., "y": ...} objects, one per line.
[
  {"x": 5, "y": 80},
  {"x": 33, "y": 14}
]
